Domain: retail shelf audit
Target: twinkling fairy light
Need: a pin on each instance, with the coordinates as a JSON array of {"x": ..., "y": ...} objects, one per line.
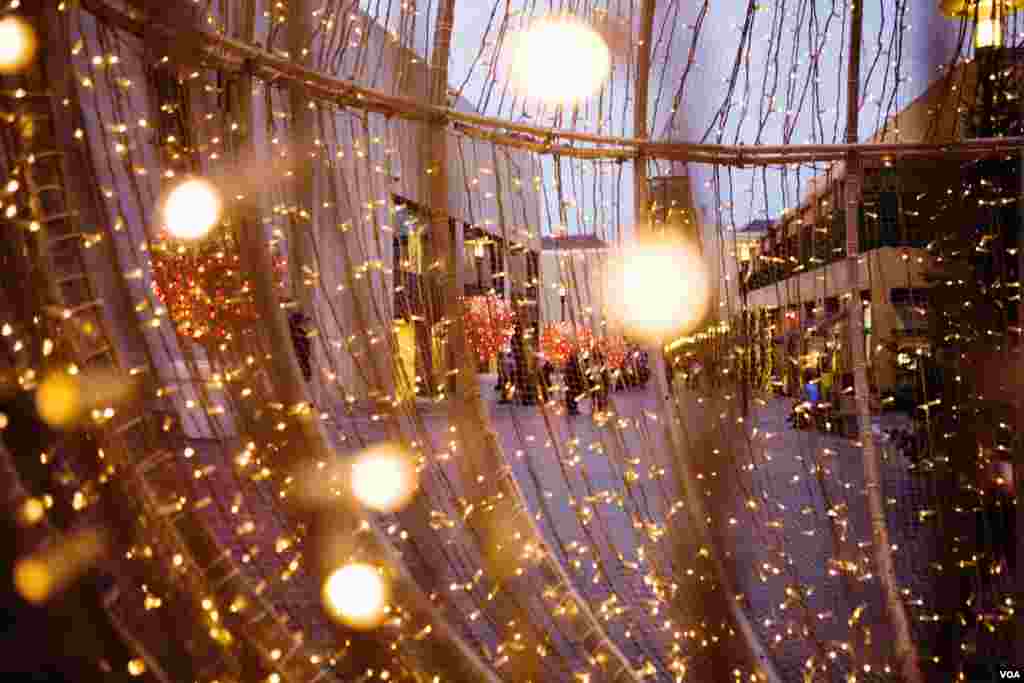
[{"x": 232, "y": 479}]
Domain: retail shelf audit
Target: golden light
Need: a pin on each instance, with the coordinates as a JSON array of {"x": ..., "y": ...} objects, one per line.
[
  {"x": 42, "y": 575},
  {"x": 17, "y": 45},
  {"x": 989, "y": 15},
  {"x": 357, "y": 595},
  {"x": 33, "y": 581},
  {"x": 192, "y": 209},
  {"x": 659, "y": 290},
  {"x": 31, "y": 511},
  {"x": 67, "y": 396},
  {"x": 989, "y": 31},
  {"x": 59, "y": 399},
  {"x": 383, "y": 478},
  {"x": 559, "y": 60}
]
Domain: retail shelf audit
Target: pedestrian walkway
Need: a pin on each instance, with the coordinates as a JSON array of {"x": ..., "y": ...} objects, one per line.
[{"x": 812, "y": 543}]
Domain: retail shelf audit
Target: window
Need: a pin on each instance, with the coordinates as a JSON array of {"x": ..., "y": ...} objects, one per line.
[
  {"x": 495, "y": 252},
  {"x": 901, "y": 296},
  {"x": 806, "y": 242},
  {"x": 411, "y": 225},
  {"x": 532, "y": 268},
  {"x": 888, "y": 219},
  {"x": 911, "y": 307},
  {"x": 170, "y": 99}
]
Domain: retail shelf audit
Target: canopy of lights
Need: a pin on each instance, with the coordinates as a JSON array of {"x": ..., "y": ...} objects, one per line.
[{"x": 515, "y": 340}]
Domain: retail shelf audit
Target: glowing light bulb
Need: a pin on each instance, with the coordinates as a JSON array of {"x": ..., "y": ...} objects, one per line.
[
  {"x": 559, "y": 60},
  {"x": 383, "y": 478},
  {"x": 192, "y": 209},
  {"x": 357, "y": 595},
  {"x": 658, "y": 290},
  {"x": 17, "y": 45}
]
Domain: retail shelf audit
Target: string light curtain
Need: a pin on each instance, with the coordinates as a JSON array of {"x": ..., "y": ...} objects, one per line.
[{"x": 568, "y": 551}]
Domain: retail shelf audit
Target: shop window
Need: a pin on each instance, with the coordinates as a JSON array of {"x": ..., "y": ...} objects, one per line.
[
  {"x": 889, "y": 219},
  {"x": 495, "y": 253},
  {"x": 409, "y": 243}
]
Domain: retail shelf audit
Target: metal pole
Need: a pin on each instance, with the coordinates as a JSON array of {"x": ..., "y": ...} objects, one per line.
[
  {"x": 443, "y": 245},
  {"x": 906, "y": 652},
  {"x": 481, "y": 448},
  {"x": 230, "y": 55},
  {"x": 302, "y": 124}
]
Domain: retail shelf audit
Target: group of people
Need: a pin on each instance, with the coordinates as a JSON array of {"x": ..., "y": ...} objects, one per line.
[
  {"x": 588, "y": 373},
  {"x": 585, "y": 373}
]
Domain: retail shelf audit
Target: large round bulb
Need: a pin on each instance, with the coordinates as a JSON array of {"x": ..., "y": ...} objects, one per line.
[
  {"x": 659, "y": 290},
  {"x": 383, "y": 478},
  {"x": 192, "y": 209},
  {"x": 17, "y": 45},
  {"x": 559, "y": 61},
  {"x": 357, "y": 595}
]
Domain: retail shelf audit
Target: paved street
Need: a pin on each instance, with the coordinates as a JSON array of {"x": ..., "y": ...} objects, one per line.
[
  {"x": 811, "y": 510},
  {"x": 779, "y": 522},
  {"x": 792, "y": 517}
]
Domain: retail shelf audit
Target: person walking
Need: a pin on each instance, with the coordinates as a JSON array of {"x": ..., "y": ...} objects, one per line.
[
  {"x": 299, "y": 325},
  {"x": 523, "y": 381},
  {"x": 573, "y": 384},
  {"x": 508, "y": 369},
  {"x": 599, "y": 382},
  {"x": 547, "y": 370}
]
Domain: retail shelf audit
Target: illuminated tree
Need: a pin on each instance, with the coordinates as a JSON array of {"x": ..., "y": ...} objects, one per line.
[
  {"x": 489, "y": 324},
  {"x": 203, "y": 287}
]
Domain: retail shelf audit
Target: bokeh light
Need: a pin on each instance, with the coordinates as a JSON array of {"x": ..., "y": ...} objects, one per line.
[
  {"x": 357, "y": 595},
  {"x": 192, "y": 209},
  {"x": 559, "y": 60},
  {"x": 32, "y": 580},
  {"x": 59, "y": 399},
  {"x": 31, "y": 512},
  {"x": 66, "y": 397},
  {"x": 17, "y": 45},
  {"x": 659, "y": 289},
  {"x": 384, "y": 478},
  {"x": 40, "y": 576}
]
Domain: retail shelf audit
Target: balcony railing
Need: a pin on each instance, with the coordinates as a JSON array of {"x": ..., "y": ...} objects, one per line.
[{"x": 830, "y": 248}]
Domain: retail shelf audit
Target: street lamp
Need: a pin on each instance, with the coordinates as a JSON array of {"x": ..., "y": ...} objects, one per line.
[
  {"x": 478, "y": 254},
  {"x": 561, "y": 294},
  {"x": 988, "y": 14}
]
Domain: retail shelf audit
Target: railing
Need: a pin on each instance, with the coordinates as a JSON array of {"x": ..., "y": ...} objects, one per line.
[{"x": 832, "y": 248}]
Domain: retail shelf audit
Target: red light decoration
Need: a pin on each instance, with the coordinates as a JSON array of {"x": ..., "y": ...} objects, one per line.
[
  {"x": 203, "y": 287},
  {"x": 489, "y": 325},
  {"x": 556, "y": 342},
  {"x": 614, "y": 350}
]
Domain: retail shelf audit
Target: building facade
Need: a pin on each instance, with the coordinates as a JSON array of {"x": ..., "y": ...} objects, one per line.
[
  {"x": 793, "y": 274},
  {"x": 573, "y": 273}
]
